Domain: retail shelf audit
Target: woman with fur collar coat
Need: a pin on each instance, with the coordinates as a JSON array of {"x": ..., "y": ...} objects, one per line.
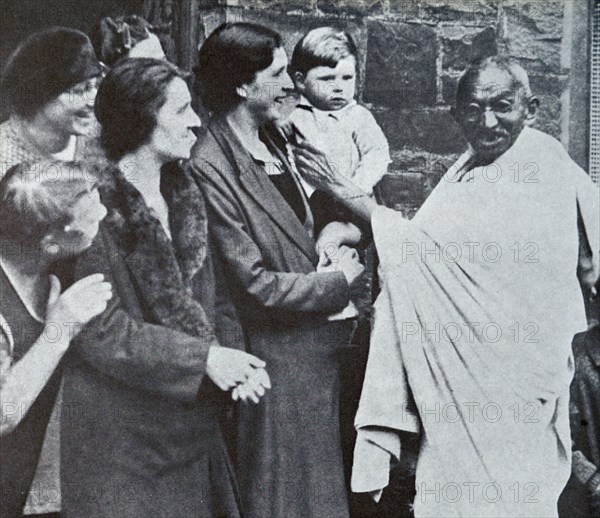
[{"x": 140, "y": 428}]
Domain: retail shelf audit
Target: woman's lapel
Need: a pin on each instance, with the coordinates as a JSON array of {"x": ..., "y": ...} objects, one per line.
[
  {"x": 256, "y": 183},
  {"x": 277, "y": 142}
]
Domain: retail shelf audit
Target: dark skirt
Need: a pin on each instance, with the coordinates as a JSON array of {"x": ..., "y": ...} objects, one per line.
[{"x": 289, "y": 450}]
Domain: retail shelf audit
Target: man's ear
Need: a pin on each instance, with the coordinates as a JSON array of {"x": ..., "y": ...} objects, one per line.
[{"x": 533, "y": 103}]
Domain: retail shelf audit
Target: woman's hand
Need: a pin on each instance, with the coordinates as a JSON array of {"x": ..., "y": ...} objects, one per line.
[
  {"x": 348, "y": 262},
  {"x": 74, "y": 308},
  {"x": 350, "y": 265},
  {"x": 229, "y": 368},
  {"x": 23, "y": 381},
  {"x": 254, "y": 388}
]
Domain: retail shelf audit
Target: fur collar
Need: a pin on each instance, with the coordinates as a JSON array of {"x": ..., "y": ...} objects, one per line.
[{"x": 162, "y": 270}]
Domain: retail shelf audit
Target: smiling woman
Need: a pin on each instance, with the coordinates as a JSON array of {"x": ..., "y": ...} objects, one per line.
[
  {"x": 290, "y": 457},
  {"x": 50, "y": 83}
]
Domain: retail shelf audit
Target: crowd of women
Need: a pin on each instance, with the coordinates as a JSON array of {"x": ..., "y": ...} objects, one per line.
[
  {"x": 144, "y": 296},
  {"x": 163, "y": 286}
]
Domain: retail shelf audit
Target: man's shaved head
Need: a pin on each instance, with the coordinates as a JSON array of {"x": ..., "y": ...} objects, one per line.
[{"x": 505, "y": 63}]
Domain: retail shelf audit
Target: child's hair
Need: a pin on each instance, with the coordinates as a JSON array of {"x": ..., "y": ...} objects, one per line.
[
  {"x": 37, "y": 198},
  {"x": 322, "y": 47}
]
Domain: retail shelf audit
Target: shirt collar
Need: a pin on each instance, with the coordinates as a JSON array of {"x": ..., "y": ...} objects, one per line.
[
  {"x": 263, "y": 156},
  {"x": 266, "y": 160},
  {"x": 305, "y": 104}
]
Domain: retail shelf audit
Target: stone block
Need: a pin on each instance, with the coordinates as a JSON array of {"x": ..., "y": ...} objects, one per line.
[
  {"x": 278, "y": 6},
  {"x": 351, "y": 7},
  {"x": 409, "y": 162},
  {"x": 549, "y": 115},
  {"x": 411, "y": 177},
  {"x": 404, "y": 192},
  {"x": 466, "y": 12},
  {"x": 548, "y": 88},
  {"x": 547, "y": 84},
  {"x": 536, "y": 43},
  {"x": 401, "y": 64},
  {"x": 449, "y": 84},
  {"x": 207, "y": 4},
  {"x": 430, "y": 130},
  {"x": 463, "y": 46},
  {"x": 404, "y": 10},
  {"x": 541, "y": 16}
]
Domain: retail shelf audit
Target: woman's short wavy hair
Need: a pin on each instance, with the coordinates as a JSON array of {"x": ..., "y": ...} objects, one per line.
[
  {"x": 128, "y": 101},
  {"x": 230, "y": 57},
  {"x": 38, "y": 197}
]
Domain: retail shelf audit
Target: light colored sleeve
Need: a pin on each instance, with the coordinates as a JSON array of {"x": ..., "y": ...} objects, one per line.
[
  {"x": 372, "y": 147},
  {"x": 588, "y": 213},
  {"x": 385, "y": 406}
]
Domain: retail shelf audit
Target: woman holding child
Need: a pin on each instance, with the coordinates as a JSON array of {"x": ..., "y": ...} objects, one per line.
[
  {"x": 143, "y": 437},
  {"x": 289, "y": 451}
]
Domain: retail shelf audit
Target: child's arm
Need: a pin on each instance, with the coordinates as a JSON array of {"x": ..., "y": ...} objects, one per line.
[
  {"x": 372, "y": 147},
  {"x": 336, "y": 234}
]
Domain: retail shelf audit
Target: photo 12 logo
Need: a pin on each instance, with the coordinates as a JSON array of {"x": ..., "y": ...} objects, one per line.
[{"x": 476, "y": 492}]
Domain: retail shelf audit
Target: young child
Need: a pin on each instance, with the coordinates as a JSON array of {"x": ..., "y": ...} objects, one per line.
[{"x": 324, "y": 69}]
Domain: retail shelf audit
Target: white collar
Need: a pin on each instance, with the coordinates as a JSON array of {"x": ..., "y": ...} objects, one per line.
[{"x": 336, "y": 114}]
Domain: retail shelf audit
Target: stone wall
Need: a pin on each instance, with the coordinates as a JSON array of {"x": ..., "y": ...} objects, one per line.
[{"x": 412, "y": 53}]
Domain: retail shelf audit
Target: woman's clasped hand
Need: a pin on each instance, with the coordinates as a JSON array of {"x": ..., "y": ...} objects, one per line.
[{"x": 238, "y": 370}]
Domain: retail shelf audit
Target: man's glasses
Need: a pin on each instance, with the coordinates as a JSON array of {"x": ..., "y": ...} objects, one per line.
[{"x": 475, "y": 112}]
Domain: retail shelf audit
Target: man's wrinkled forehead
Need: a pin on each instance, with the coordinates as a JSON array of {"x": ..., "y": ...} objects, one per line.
[{"x": 490, "y": 83}]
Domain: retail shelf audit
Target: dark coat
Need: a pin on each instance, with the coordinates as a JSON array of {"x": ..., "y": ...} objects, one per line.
[
  {"x": 289, "y": 453},
  {"x": 140, "y": 431}
]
